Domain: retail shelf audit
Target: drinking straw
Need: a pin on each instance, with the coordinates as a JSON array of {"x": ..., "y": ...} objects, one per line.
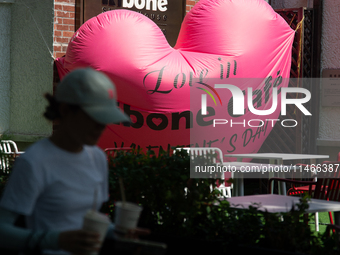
[{"x": 122, "y": 191}]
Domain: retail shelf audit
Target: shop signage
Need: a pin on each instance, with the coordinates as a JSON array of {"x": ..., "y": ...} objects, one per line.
[{"x": 167, "y": 14}]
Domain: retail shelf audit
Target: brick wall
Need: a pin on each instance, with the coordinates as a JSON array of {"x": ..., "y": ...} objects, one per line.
[
  {"x": 64, "y": 15},
  {"x": 190, "y": 4},
  {"x": 64, "y": 24}
]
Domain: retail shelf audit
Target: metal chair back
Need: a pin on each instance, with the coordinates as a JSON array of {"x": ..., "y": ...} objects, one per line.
[
  {"x": 112, "y": 152},
  {"x": 8, "y": 152},
  {"x": 328, "y": 181},
  {"x": 216, "y": 156}
]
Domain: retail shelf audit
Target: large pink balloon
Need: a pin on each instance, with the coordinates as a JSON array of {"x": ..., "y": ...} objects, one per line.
[{"x": 244, "y": 43}]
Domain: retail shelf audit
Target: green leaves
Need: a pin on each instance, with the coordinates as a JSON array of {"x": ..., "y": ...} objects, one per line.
[
  {"x": 162, "y": 185},
  {"x": 176, "y": 205}
]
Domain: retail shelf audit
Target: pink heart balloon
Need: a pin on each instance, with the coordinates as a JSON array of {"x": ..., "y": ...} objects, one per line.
[{"x": 244, "y": 43}]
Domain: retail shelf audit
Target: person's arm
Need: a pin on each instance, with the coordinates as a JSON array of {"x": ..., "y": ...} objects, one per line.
[
  {"x": 20, "y": 239},
  {"x": 15, "y": 238}
]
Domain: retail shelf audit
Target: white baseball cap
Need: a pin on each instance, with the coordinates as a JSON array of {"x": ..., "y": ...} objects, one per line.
[{"x": 94, "y": 92}]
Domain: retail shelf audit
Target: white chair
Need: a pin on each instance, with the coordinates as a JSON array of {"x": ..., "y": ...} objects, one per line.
[
  {"x": 9, "y": 146},
  {"x": 217, "y": 158},
  {"x": 8, "y": 151},
  {"x": 112, "y": 152}
]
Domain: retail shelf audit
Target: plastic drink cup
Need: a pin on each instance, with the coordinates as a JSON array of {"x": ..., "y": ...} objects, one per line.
[
  {"x": 96, "y": 222},
  {"x": 126, "y": 216}
]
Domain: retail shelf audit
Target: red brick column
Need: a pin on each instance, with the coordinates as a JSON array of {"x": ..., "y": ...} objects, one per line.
[
  {"x": 190, "y": 4},
  {"x": 64, "y": 15},
  {"x": 64, "y": 24}
]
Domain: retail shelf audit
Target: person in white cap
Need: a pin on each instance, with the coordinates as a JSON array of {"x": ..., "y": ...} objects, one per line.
[{"x": 53, "y": 183}]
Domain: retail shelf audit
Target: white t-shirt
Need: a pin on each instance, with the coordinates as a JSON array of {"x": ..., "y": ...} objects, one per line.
[{"x": 54, "y": 188}]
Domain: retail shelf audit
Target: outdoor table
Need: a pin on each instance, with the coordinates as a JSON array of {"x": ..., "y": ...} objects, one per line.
[
  {"x": 280, "y": 204},
  {"x": 274, "y": 158}
]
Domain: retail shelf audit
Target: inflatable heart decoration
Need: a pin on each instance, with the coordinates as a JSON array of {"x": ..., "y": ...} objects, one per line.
[{"x": 243, "y": 43}]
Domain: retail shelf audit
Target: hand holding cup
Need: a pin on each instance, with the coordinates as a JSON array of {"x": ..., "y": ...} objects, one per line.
[
  {"x": 79, "y": 241},
  {"x": 98, "y": 223}
]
